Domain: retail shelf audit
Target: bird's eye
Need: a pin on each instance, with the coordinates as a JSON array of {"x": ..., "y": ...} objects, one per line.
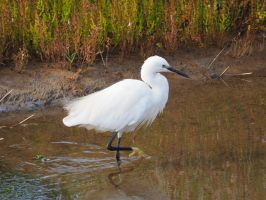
[{"x": 164, "y": 66}]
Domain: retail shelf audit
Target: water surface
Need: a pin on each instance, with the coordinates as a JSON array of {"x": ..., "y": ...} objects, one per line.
[{"x": 208, "y": 144}]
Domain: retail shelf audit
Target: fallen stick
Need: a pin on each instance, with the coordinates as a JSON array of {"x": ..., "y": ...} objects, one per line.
[
  {"x": 6, "y": 95},
  {"x": 23, "y": 120},
  {"x": 241, "y": 74},
  {"x": 215, "y": 58},
  {"x": 224, "y": 71},
  {"x": 26, "y": 119}
]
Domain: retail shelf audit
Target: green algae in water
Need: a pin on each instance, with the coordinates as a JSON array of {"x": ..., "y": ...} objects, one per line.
[{"x": 22, "y": 187}]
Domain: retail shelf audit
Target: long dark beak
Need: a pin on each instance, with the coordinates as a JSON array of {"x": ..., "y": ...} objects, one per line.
[{"x": 178, "y": 72}]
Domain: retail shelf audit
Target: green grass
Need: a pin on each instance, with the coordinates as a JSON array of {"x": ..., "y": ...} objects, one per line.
[{"x": 51, "y": 29}]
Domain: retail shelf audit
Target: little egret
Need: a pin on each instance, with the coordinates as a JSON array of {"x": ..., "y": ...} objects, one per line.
[{"x": 125, "y": 105}]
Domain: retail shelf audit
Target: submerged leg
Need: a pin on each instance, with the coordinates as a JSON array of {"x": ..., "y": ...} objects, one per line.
[
  {"x": 118, "y": 152},
  {"x": 118, "y": 148}
]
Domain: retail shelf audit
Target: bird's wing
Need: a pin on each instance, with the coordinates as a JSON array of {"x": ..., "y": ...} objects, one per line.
[{"x": 113, "y": 108}]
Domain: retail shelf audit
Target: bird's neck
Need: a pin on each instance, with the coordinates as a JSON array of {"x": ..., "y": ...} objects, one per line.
[
  {"x": 153, "y": 79},
  {"x": 159, "y": 86},
  {"x": 148, "y": 77},
  {"x": 156, "y": 81}
]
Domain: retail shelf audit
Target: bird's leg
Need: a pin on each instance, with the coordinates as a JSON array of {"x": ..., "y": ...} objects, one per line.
[
  {"x": 109, "y": 146},
  {"x": 118, "y": 152},
  {"x": 118, "y": 148},
  {"x": 135, "y": 150}
]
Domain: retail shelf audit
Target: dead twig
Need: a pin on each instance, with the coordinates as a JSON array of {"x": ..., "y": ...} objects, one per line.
[
  {"x": 209, "y": 66},
  {"x": 23, "y": 120},
  {"x": 26, "y": 119},
  {"x": 6, "y": 95},
  {"x": 224, "y": 71},
  {"x": 101, "y": 54},
  {"x": 241, "y": 74}
]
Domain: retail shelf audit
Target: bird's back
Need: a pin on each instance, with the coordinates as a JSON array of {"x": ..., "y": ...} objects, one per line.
[{"x": 120, "y": 107}]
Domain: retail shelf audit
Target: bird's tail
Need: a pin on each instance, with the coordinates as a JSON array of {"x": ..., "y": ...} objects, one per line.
[
  {"x": 68, "y": 121},
  {"x": 74, "y": 109}
]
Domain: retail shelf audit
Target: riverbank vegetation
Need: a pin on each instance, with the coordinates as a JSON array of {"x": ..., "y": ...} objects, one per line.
[{"x": 81, "y": 30}]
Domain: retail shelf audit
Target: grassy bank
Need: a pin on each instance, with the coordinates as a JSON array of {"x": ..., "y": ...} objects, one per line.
[{"x": 79, "y": 30}]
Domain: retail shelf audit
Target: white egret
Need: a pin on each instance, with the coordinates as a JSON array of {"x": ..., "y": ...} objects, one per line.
[{"x": 125, "y": 105}]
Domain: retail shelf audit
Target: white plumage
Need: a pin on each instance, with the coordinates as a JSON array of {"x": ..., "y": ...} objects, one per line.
[{"x": 125, "y": 105}]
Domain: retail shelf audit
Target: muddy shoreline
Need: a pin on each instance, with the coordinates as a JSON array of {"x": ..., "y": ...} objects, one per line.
[{"x": 48, "y": 84}]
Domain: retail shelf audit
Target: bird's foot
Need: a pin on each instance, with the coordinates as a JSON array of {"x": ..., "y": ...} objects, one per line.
[{"x": 136, "y": 152}]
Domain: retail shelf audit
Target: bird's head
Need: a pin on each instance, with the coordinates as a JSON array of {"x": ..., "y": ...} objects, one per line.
[{"x": 157, "y": 64}]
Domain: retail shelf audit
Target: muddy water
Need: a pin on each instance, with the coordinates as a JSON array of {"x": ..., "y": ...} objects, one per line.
[{"x": 208, "y": 144}]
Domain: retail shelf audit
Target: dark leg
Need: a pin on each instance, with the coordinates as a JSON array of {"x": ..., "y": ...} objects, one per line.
[
  {"x": 109, "y": 146},
  {"x": 118, "y": 152},
  {"x": 118, "y": 148}
]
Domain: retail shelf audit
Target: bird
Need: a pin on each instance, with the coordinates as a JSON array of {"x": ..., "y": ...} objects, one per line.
[{"x": 124, "y": 106}]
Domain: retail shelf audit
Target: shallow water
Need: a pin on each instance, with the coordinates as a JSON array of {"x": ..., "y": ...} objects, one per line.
[{"x": 208, "y": 144}]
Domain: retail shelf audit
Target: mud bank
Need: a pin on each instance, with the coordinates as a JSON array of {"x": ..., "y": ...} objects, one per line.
[{"x": 45, "y": 84}]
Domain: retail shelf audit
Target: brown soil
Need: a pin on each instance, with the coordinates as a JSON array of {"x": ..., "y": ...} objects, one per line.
[{"x": 42, "y": 84}]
